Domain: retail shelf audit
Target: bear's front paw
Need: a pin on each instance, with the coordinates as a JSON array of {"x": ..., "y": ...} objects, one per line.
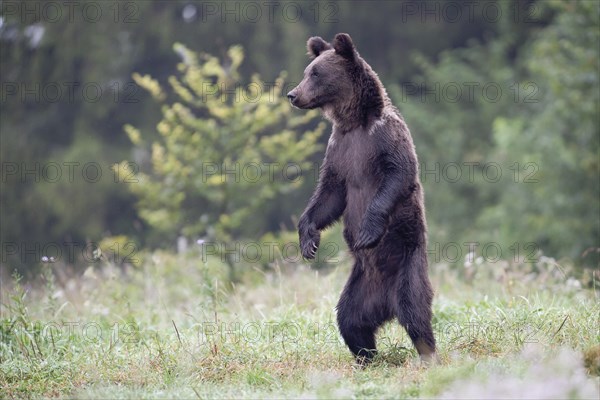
[
  {"x": 368, "y": 237},
  {"x": 310, "y": 237}
]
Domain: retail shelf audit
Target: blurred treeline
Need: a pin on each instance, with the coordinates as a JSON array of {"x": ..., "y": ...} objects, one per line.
[{"x": 502, "y": 100}]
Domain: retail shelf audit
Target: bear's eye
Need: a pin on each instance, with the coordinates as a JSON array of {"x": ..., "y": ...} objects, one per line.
[{"x": 314, "y": 73}]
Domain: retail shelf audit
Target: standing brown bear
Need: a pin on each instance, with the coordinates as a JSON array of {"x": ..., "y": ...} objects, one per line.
[{"x": 370, "y": 177}]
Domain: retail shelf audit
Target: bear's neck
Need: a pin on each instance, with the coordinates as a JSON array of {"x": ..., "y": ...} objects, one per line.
[{"x": 363, "y": 107}]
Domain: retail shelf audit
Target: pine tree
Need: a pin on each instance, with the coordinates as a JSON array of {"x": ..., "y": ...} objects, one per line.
[{"x": 227, "y": 149}]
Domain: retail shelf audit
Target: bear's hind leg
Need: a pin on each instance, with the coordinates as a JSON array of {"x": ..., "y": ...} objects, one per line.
[
  {"x": 360, "y": 339},
  {"x": 360, "y": 312},
  {"x": 415, "y": 296}
]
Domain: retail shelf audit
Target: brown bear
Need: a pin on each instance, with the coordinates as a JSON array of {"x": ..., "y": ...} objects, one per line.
[{"x": 370, "y": 178}]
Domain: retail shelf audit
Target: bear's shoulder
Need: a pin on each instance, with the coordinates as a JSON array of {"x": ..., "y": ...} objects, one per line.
[{"x": 389, "y": 125}]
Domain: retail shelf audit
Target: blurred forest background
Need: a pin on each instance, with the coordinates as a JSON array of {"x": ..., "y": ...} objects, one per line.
[{"x": 118, "y": 121}]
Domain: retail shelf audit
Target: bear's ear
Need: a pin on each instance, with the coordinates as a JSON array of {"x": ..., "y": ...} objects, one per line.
[
  {"x": 316, "y": 45},
  {"x": 342, "y": 44}
]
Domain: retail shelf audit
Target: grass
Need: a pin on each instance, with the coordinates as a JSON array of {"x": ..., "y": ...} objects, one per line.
[{"x": 173, "y": 328}]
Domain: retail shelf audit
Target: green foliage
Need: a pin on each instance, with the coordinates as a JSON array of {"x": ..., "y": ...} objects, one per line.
[
  {"x": 540, "y": 133},
  {"x": 545, "y": 50},
  {"x": 560, "y": 134},
  {"x": 228, "y": 150}
]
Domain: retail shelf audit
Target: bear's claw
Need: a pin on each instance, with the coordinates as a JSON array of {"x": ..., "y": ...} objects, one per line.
[{"x": 366, "y": 240}]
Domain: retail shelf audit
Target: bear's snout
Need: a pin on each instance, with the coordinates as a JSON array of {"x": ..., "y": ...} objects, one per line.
[{"x": 292, "y": 96}]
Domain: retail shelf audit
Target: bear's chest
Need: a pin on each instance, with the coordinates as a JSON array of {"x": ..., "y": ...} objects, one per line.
[{"x": 353, "y": 156}]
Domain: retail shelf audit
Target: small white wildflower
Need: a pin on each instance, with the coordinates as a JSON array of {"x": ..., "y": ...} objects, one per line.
[
  {"x": 469, "y": 259},
  {"x": 200, "y": 241},
  {"x": 44, "y": 259},
  {"x": 97, "y": 254},
  {"x": 573, "y": 283}
]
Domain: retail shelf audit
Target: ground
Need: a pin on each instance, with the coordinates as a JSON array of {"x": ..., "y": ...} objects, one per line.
[{"x": 170, "y": 328}]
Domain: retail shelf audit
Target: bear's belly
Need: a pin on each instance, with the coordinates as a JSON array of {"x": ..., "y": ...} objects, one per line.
[
  {"x": 404, "y": 231},
  {"x": 358, "y": 199}
]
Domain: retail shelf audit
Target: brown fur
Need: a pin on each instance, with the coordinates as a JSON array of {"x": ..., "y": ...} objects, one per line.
[{"x": 370, "y": 179}]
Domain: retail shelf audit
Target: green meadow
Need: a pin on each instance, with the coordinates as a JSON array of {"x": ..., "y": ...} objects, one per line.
[{"x": 174, "y": 328}]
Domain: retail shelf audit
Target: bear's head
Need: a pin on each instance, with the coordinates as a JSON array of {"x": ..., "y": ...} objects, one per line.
[{"x": 338, "y": 80}]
